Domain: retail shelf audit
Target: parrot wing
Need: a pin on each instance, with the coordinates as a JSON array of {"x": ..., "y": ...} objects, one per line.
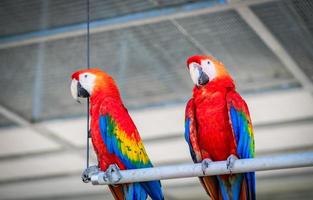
[
  {"x": 191, "y": 135},
  {"x": 122, "y": 139},
  {"x": 243, "y": 134},
  {"x": 123, "y": 145},
  {"x": 209, "y": 183}
]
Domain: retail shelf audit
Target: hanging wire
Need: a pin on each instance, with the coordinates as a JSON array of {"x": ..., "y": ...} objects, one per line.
[{"x": 88, "y": 66}]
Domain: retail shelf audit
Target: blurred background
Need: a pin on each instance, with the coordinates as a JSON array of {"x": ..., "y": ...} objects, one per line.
[{"x": 267, "y": 46}]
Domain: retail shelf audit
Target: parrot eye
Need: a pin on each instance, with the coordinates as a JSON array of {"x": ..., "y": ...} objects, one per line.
[
  {"x": 86, "y": 75},
  {"x": 209, "y": 62}
]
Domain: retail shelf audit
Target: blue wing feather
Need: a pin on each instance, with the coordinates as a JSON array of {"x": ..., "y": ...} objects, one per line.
[
  {"x": 244, "y": 140},
  {"x": 241, "y": 132},
  {"x": 187, "y": 137}
]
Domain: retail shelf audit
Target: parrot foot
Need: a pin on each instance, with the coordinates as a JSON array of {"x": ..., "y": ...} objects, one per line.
[
  {"x": 231, "y": 162},
  {"x": 88, "y": 172},
  {"x": 113, "y": 174},
  {"x": 205, "y": 164}
]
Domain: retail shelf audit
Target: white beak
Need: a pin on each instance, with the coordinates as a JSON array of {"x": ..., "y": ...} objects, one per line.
[{"x": 74, "y": 89}]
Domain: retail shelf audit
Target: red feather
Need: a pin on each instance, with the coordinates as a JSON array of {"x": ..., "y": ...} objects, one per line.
[
  {"x": 210, "y": 130},
  {"x": 213, "y": 121}
]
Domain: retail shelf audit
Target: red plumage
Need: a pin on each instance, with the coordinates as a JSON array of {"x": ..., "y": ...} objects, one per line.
[
  {"x": 212, "y": 119},
  {"x": 113, "y": 133},
  {"x": 218, "y": 125},
  {"x": 106, "y": 105}
]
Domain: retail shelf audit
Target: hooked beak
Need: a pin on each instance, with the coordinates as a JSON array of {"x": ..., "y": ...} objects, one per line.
[
  {"x": 198, "y": 76},
  {"x": 78, "y": 91},
  {"x": 204, "y": 78}
]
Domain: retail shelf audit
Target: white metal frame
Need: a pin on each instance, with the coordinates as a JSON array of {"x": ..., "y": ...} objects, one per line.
[{"x": 215, "y": 168}]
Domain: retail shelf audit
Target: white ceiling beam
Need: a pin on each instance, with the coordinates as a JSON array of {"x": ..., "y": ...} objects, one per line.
[
  {"x": 189, "y": 37},
  {"x": 23, "y": 141},
  {"x": 50, "y": 187},
  {"x": 38, "y": 128},
  {"x": 40, "y": 166},
  {"x": 274, "y": 45},
  {"x": 161, "y": 122}
]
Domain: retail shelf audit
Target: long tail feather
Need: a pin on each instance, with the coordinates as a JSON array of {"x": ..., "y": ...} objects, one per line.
[
  {"x": 117, "y": 192},
  {"x": 154, "y": 189},
  {"x": 210, "y": 185},
  {"x": 135, "y": 191},
  {"x": 237, "y": 186},
  {"x": 230, "y": 187},
  {"x": 243, "y": 193},
  {"x": 250, "y": 180}
]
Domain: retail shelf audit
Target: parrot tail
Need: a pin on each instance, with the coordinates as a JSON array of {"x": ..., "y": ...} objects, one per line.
[
  {"x": 210, "y": 184},
  {"x": 137, "y": 191},
  {"x": 250, "y": 180},
  {"x": 117, "y": 192},
  {"x": 236, "y": 186},
  {"x": 154, "y": 189},
  {"x": 229, "y": 187}
]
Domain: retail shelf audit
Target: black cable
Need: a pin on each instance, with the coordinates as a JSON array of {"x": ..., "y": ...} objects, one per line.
[{"x": 88, "y": 66}]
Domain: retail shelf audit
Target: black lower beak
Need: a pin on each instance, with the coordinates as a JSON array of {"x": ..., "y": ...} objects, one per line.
[
  {"x": 203, "y": 78},
  {"x": 82, "y": 92}
]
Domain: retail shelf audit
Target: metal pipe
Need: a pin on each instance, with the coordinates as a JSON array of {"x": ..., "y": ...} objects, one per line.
[{"x": 215, "y": 168}]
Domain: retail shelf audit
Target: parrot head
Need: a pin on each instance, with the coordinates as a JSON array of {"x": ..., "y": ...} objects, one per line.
[
  {"x": 88, "y": 82},
  {"x": 204, "y": 69}
]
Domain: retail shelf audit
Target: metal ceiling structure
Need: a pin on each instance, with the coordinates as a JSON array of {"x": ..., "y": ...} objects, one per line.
[{"x": 266, "y": 45}]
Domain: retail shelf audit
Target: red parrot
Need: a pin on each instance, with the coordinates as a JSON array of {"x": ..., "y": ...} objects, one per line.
[
  {"x": 113, "y": 133},
  {"x": 218, "y": 127}
]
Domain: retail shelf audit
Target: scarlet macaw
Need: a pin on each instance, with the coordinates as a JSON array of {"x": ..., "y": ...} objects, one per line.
[
  {"x": 218, "y": 127},
  {"x": 113, "y": 133}
]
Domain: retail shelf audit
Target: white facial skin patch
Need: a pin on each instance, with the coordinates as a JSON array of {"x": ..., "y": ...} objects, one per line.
[
  {"x": 87, "y": 81},
  {"x": 208, "y": 67}
]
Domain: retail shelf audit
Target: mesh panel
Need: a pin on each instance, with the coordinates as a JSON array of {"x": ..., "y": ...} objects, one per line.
[
  {"x": 148, "y": 66},
  {"x": 292, "y": 24},
  {"x": 61, "y": 59},
  {"x": 229, "y": 38},
  {"x": 17, "y": 68},
  {"x": 304, "y": 10},
  {"x": 41, "y": 14},
  {"x": 148, "y": 63}
]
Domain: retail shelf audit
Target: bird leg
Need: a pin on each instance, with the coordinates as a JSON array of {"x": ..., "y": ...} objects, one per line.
[
  {"x": 205, "y": 164},
  {"x": 88, "y": 172},
  {"x": 231, "y": 162},
  {"x": 113, "y": 174}
]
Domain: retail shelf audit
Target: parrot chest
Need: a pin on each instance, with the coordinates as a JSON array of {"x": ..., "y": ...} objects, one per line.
[{"x": 215, "y": 135}]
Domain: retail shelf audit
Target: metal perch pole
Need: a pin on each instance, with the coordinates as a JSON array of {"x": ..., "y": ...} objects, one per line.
[{"x": 215, "y": 168}]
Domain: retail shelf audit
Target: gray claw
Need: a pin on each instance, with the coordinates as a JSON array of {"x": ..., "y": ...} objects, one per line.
[
  {"x": 86, "y": 175},
  {"x": 113, "y": 174},
  {"x": 205, "y": 164},
  {"x": 231, "y": 162}
]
